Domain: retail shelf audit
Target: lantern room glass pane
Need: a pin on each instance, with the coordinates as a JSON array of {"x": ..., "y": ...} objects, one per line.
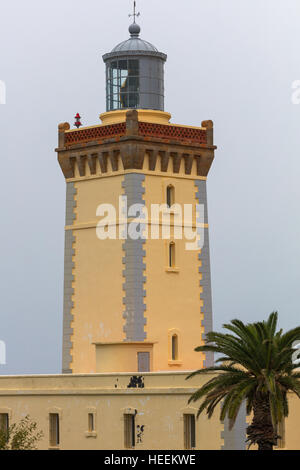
[
  {"x": 133, "y": 100},
  {"x": 124, "y": 100},
  {"x": 133, "y": 68},
  {"x": 113, "y": 70},
  {"x": 133, "y": 84},
  {"x": 122, "y": 91},
  {"x": 124, "y": 84},
  {"x": 123, "y": 66}
]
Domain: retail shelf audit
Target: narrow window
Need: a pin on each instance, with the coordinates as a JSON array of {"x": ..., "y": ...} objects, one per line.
[
  {"x": 189, "y": 431},
  {"x": 91, "y": 422},
  {"x": 129, "y": 431},
  {"x": 281, "y": 434},
  {"x": 54, "y": 429},
  {"x": 4, "y": 424},
  {"x": 174, "y": 348},
  {"x": 170, "y": 195},
  {"x": 171, "y": 255},
  {"x": 143, "y": 362}
]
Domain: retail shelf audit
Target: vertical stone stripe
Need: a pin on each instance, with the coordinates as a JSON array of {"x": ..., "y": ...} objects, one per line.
[
  {"x": 70, "y": 203},
  {"x": 235, "y": 439},
  {"x": 204, "y": 270},
  {"x": 133, "y": 273},
  {"x": 68, "y": 279}
]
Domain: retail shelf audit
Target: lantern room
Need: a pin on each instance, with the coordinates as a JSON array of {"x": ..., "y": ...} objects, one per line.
[{"x": 135, "y": 74}]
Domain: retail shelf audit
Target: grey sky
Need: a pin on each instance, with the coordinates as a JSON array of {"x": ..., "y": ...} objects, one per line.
[{"x": 230, "y": 61}]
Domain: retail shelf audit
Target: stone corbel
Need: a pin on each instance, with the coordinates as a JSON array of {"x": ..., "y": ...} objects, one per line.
[
  {"x": 80, "y": 160},
  {"x": 164, "y": 160},
  {"x": 188, "y": 163},
  {"x": 114, "y": 159},
  {"x": 66, "y": 164},
  {"x": 153, "y": 154},
  {"x": 176, "y": 161},
  {"x": 92, "y": 160},
  {"x": 103, "y": 156}
]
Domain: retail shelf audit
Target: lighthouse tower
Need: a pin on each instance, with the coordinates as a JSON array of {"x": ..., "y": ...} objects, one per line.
[{"x": 135, "y": 303}]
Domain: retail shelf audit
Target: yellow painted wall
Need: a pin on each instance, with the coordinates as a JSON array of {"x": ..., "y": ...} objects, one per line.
[
  {"x": 121, "y": 357},
  {"x": 173, "y": 296},
  {"x": 292, "y": 435},
  {"x": 98, "y": 281},
  {"x": 160, "y": 407}
]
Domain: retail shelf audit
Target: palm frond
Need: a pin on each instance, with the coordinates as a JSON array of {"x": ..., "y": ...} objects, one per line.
[{"x": 255, "y": 360}]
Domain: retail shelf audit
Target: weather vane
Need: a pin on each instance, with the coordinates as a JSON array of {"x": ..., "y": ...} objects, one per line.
[{"x": 134, "y": 12}]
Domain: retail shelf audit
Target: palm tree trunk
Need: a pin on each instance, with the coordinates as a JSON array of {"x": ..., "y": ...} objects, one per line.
[{"x": 261, "y": 430}]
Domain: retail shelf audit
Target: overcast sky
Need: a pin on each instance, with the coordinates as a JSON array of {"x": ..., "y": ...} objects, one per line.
[{"x": 231, "y": 61}]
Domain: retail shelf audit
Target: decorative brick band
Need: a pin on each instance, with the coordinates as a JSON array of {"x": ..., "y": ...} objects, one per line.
[
  {"x": 95, "y": 133},
  {"x": 163, "y": 131},
  {"x": 204, "y": 270},
  {"x": 68, "y": 280},
  {"x": 145, "y": 129},
  {"x": 134, "y": 267}
]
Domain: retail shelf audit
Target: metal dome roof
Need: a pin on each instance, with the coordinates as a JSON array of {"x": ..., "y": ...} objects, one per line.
[{"x": 134, "y": 46}]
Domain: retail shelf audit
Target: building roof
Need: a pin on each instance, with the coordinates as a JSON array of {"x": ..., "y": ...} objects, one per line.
[{"x": 134, "y": 46}]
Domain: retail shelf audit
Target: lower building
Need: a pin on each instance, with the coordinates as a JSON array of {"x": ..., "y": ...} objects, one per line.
[
  {"x": 123, "y": 411},
  {"x": 111, "y": 411}
]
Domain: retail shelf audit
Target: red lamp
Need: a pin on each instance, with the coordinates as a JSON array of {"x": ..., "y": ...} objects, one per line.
[{"x": 77, "y": 123}]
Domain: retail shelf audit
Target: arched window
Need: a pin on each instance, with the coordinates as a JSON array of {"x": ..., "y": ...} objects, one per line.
[
  {"x": 174, "y": 348},
  {"x": 172, "y": 255},
  {"x": 170, "y": 195}
]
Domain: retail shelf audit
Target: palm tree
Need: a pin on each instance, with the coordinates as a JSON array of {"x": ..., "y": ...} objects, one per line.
[{"x": 256, "y": 366}]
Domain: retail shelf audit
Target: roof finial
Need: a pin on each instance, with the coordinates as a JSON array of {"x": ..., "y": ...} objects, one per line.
[
  {"x": 134, "y": 28},
  {"x": 134, "y": 12}
]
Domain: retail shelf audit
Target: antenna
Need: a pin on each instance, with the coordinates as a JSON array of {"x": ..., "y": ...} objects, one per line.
[{"x": 134, "y": 12}]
